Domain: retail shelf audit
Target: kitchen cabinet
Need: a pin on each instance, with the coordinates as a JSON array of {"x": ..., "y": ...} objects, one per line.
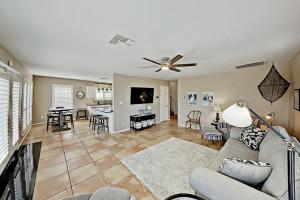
[{"x": 90, "y": 92}]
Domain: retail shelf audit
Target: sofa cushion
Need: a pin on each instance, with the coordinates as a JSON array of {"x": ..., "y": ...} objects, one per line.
[
  {"x": 237, "y": 149},
  {"x": 233, "y": 148},
  {"x": 235, "y": 133},
  {"x": 247, "y": 171},
  {"x": 273, "y": 150}
]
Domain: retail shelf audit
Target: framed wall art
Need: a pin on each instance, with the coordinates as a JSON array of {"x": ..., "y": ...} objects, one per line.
[
  {"x": 192, "y": 98},
  {"x": 208, "y": 98}
]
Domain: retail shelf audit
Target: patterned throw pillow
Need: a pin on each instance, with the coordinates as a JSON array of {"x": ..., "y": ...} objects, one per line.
[
  {"x": 252, "y": 137},
  {"x": 250, "y": 172}
]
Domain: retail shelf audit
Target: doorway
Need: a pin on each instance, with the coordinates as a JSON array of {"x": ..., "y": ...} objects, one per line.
[
  {"x": 164, "y": 103},
  {"x": 173, "y": 100}
]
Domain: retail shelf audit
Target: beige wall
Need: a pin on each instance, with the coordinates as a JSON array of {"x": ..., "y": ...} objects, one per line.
[
  {"x": 121, "y": 98},
  {"x": 42, "y": 95},
  {"x": 5, "y": 56},
  {"x": 295, "y": 73},
  {"x": 230, "y": 87}
]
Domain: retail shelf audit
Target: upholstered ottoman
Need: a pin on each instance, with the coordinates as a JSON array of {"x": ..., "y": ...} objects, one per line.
[
  {"x": 104, "y": 194},
  {"x": 211, "y": 134}
]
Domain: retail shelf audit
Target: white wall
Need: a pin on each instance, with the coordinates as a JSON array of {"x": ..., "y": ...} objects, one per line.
[
  {"x": 230, "y": 87},
  {"x": 121, "y": 98},
  {"x": 295, "y": 73}
]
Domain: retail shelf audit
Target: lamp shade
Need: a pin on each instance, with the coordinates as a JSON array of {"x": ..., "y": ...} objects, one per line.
[
  {"x": 237, "y": 115},
  {"x": 217, "y": 108}
]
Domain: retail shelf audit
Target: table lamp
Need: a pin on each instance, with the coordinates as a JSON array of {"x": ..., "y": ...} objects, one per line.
[
  {"x": 270, "y": 117},
  {"x": 239, "y": 115},
  {"x": 217, "y": 109}
]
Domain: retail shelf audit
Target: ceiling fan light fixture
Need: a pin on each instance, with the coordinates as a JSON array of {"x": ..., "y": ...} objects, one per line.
[{"x": 165, "y": 68}]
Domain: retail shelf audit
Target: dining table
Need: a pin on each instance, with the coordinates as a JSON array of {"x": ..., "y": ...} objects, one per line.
[{"x": 60, "y": 110}]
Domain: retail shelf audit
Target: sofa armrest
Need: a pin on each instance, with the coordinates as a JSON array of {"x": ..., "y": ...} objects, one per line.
[{"x": 216, "y": 186}]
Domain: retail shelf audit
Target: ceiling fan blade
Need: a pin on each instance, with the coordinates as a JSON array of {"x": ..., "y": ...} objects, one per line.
[
  {"x": 148, "y": 67},
  {"x": 175, "y": 59},
  {"x": 251, "y": 64},
  {"x": 158, "y": 70},
  {"x": 174, "y": 69},
  {"x": 185, "y": 65},
  {"x": 152, "y": 61}
]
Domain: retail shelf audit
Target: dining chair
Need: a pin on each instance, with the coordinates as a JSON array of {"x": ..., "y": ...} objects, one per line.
[
  {"x": 52, "y": 119},
  {"x": 68, "y": 118},
  {"x": 194, "y": 117}
]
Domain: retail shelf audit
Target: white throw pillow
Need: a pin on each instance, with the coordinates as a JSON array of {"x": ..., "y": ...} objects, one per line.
[{"x": 250, "y": 172}]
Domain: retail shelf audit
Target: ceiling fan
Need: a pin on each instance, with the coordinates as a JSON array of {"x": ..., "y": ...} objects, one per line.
[{"x": 169, "y": 64}]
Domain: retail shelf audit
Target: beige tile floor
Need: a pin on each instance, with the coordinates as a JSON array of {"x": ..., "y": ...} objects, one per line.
[{"x": 77, "y": 161}]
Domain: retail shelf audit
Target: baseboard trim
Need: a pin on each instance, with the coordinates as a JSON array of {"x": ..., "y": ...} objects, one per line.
[
  {"x": 183, "y": 126},
  {"x": 121, "y": 131},
  {"x": 40, "y": 123}
]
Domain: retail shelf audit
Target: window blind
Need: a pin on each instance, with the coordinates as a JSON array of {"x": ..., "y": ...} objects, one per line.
[
  {"x": 15, "y": 111},
  {"x": 27, "y": 105},
  {"x": 30, "y": 103},
  {"x": 24, "y": 106},
  {"x": 4, "y": 104},
  {"x": 62, "y": 95}
]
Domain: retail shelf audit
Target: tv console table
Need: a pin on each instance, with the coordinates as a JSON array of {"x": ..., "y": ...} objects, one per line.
[{"x": 141, "y": 119}]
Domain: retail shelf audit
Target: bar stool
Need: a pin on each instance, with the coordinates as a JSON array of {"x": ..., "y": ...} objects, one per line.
[
  {"x": 93, "y": 120},
  {"x": 68, "y": 118},
  {"x": 102, "y": 122},
  {"x": 52, "y": 119}
]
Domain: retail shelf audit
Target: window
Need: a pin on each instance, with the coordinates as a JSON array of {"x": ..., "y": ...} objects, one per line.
[
  {"x": 10, "y": 112},
  {"x": 108, "y": 95},
  {"x": 4, "y": 105},
  {"x": 103, "y": 94},
  {"x": 99, "y": 94},
  {"x": 62, "y": 95},
  {"x": 15, "y": 111},
  {"x": 27, "y": 105}
]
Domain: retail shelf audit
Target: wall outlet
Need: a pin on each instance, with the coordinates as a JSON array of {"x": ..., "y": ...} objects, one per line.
[
  {"x": 42, "y": 117},
  {"x": 121, "y": 102},
  {"x": 123, "y": 123}
]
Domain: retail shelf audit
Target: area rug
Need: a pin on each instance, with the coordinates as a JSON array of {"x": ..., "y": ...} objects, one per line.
[{"x": 165, "y": 167}]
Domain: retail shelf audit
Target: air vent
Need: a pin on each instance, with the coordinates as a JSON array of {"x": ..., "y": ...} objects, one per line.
[
  {"x": 121, "y": 41},
  {"x": 251, "y": 64}
]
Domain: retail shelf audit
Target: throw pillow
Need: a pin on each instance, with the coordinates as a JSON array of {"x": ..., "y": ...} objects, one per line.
[
  {"x": 250, "y": 172},
  {"x": 252, "y": 137}
]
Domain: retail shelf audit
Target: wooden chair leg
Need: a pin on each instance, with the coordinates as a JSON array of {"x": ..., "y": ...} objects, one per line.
[
  {"x": 72, "y": 121},
  {"x": 47, "y": 123}
]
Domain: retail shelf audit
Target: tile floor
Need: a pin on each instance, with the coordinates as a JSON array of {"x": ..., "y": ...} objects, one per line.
[{"x": 77, "y": 161}]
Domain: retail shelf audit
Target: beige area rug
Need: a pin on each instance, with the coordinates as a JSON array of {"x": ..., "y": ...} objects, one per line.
[{"x": 165, "y": 167}]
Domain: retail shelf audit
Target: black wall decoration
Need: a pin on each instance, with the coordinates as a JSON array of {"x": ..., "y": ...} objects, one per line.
[{"x": 273, "y": 86}]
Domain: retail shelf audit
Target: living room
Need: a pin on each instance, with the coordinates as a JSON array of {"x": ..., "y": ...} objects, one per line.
[{"x": 112, "y": 100}]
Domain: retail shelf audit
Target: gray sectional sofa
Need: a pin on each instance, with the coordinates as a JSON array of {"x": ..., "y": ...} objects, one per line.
[{"x": 212, "y": 185}]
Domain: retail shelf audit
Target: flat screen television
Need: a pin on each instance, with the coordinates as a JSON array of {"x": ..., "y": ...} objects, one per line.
[{"x": 141, "y": 95}]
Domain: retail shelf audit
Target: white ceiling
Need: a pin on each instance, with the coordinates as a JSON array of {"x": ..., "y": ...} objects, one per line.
[{"x": 70, "y": 38}]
